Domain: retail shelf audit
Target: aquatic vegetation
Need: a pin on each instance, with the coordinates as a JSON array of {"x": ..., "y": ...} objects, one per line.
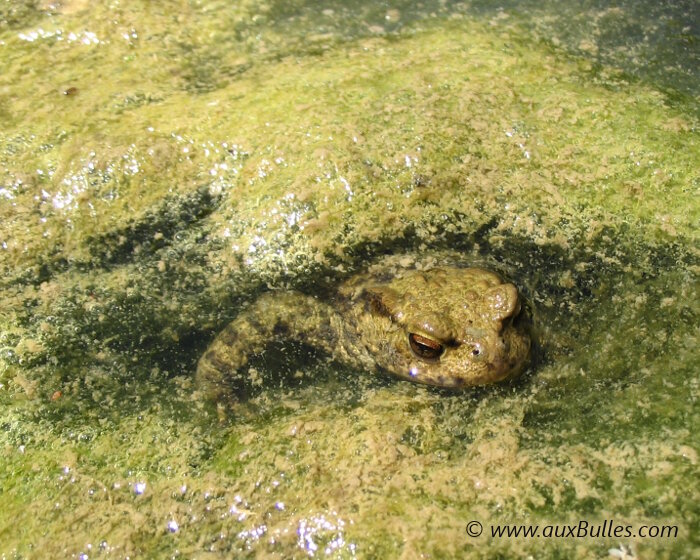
[{"x": 195, "y": 165}]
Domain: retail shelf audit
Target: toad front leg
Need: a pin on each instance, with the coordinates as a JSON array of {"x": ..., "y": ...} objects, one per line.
[{"x": 274, "y": 316}]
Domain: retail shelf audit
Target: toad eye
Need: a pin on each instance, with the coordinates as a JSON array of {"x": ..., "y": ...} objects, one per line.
[{"x": 425, "y": 348}]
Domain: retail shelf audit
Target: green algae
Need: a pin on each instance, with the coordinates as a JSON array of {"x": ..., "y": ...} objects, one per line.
[{"x": 188, "y": 171}]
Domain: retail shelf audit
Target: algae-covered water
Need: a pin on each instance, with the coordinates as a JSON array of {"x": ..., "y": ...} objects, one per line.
[{"x": 164, "y": 163}]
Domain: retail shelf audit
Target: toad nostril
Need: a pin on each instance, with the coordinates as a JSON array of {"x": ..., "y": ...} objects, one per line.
[{"x": 477, "y": 351}]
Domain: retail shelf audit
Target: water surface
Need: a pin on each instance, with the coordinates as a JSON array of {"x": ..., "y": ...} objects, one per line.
[{"x": 162, "y": 164}]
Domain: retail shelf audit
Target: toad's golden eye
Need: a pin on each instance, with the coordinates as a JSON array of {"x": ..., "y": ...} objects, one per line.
[{"x": 425, "y": 348}]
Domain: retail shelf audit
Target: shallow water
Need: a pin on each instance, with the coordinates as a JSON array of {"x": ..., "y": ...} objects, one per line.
[{"x": 163, "y": 164}]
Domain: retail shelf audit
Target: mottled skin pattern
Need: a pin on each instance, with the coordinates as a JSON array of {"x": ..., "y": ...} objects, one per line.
[{"x": 448, "y": 327}]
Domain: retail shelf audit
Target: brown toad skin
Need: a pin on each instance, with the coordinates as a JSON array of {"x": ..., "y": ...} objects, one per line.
[{"x": 471, "y": 316}]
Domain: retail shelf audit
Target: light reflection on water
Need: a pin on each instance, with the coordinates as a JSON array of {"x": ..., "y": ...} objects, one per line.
[
  {"x": 82, "y": 37},
  {"x": 323, "y": 533}
]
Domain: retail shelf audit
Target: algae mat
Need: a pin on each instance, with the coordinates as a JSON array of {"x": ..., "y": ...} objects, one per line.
[{"x": 163, "y": 165}]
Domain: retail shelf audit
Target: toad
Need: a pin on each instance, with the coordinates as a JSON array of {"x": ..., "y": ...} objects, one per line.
[{"x": 447, "y": 327}]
